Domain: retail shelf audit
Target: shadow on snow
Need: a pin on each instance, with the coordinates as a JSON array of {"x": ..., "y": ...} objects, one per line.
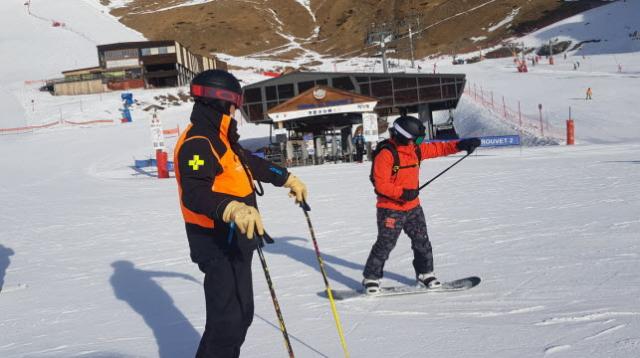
[
  {"x": 307, "y": 256},
  {"x": 174, "y": 334},
  {"x": 5, "y": 253}
]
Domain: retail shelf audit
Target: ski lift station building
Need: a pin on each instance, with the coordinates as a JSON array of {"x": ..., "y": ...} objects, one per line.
[{"x": 325, "y": 104}]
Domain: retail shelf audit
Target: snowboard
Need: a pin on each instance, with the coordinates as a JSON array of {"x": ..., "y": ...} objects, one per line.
[{"x": 448, "y": 286}]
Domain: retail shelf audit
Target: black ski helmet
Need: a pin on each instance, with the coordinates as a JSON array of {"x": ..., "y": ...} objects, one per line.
[
  {"x": 407, "y": 128},
  {"x": 216, "y": 85}
]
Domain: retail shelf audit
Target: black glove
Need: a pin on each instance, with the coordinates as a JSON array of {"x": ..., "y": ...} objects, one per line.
[
  {"x": 409, "y": 194},
  {"x": 267, "y": 238},
  {"x": 469, "y": 144}
]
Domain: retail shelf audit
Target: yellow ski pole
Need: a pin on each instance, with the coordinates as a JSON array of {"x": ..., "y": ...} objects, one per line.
[{"x": 305, "y": 208}]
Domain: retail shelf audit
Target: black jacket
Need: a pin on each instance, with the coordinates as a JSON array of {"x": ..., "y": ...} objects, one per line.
[{"x": 196, "y": 185}]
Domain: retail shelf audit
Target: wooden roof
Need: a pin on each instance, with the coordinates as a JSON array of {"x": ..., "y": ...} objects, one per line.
[{"x": 309, "y": 99}]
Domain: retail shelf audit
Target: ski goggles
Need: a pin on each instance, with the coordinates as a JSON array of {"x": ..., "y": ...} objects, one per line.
[
  {"x": 217, "y": 93},
  {"x": 418, "y": 140}
]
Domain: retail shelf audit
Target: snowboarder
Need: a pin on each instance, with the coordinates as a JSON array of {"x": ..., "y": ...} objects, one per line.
[
  {"x": 589, "y": 93},
  {"x": 395, "y": 176},
  {"x": 358, "y": 142},
  {"x": 215, "y": 180}
]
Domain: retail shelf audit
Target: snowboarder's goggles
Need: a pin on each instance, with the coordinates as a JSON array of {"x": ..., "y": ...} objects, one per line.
[
  {"x": 217, "y": 93},
  {"x": 418, "y": 140}
]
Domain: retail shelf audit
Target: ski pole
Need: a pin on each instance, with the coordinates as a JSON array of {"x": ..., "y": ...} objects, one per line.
[
  {"x": 442, "y": 172},
  {"x": 283, "y": 328},
  {"x": 305, "y": 208}
]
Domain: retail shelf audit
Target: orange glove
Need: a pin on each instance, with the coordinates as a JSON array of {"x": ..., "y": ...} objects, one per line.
[
  {"x": 297, "y": 187},
  {"x": 247, "y": 218}
]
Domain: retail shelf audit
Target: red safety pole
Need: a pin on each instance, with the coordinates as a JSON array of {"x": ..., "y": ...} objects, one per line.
[
  {"x": 570, "y": 132},
  {"x": 571, "y": 137},
  {"x": 161, "y": 162}
]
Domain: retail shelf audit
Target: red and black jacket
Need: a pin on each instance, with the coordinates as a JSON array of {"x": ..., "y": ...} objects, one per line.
[
  {"x": 390, "y": 183},
  {"x": 212, "y": 169}
]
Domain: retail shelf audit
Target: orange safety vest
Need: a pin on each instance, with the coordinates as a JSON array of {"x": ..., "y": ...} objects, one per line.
[{"x": 235, "y": 178}]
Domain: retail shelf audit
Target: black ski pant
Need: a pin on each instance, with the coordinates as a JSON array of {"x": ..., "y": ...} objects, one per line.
[
  {"x": 359, "y": 152},
  {"x": 228, "y": 291},
  {"x": 390, "y": 224}
]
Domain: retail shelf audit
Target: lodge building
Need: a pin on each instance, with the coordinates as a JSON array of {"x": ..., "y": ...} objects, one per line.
[{"x": 142, "y": 64}]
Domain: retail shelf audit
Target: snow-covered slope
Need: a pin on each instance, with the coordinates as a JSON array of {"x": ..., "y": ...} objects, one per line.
[
  {"x": 33, "y": 49},
  {"x": 94, "y": 260},
  {"x": 102, "y": 250},
  {"x": 605, "y": 30}
]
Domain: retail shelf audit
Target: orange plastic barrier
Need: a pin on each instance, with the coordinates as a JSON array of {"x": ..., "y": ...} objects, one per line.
[
  {"x": 20, "y": 129},
  {"x": 271, "y": 74},
  {"x": 175, "y": 130},
  {"x": 90, "y": 122}
]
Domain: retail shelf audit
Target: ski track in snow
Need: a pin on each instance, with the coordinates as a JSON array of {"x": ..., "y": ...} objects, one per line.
[
  {"x": 585, "y": 318},
  {"x": 556, "y": 349},
  {"x": 605, "y": 331}
]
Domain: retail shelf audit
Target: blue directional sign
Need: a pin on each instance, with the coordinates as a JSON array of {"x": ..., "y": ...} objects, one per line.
[{"x": 500, "y": 141}]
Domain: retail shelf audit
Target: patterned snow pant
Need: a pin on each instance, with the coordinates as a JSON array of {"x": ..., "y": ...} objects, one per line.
[{"x": 390, "y": 224}]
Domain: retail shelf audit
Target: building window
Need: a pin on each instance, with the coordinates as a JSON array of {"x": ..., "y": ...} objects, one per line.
[
  {"x": 404, "y": 82},
  {"x": 272, "y": 94},
  {"x": 253, "y": 95},
  {"x": 381, "y": 89},
  {"x": 343, "y": 83},
  {"x": 162, "y": 50},
  {"x": 303, "y": 86},
  {"x": 285, "y": 92},
  {"x": 114, "y": 55}
]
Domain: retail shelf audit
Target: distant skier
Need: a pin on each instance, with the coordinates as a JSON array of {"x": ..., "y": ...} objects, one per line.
[
  {"x": 358, "y": 142},
  {"x": 395, "y": 175},
  {"x": 215, "y": 181},
  {"x": 589, "y": 94}
]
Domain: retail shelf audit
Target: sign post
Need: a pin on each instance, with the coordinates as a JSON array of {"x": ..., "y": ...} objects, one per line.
[
  {"x": 157, "y": 138},
  {"x": 370, "y": 126},
  {"x": 541, "y": 123}
]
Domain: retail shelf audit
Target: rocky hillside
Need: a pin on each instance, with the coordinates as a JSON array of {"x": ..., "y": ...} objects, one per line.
[{"x": 337, "y": 28}]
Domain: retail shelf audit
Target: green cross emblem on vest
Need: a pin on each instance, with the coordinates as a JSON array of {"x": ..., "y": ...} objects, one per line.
[{"x": 196, "y": 162}]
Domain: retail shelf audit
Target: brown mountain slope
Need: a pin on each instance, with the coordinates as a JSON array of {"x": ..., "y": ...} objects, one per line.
[{"x": 280, "y": 27}]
